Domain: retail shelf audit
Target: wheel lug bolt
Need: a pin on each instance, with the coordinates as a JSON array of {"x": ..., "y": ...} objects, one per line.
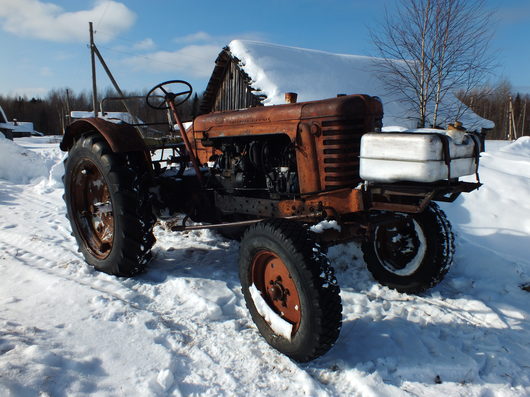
[{"x": 275, "y": 293}]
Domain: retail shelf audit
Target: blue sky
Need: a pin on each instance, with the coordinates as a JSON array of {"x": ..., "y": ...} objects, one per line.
[{"x": 43, "y": 44}]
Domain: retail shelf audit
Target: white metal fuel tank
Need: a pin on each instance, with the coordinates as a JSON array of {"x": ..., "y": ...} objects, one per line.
[{"x": 417, "y": 157}]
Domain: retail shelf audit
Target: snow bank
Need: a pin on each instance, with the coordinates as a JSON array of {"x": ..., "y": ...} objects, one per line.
[
  {"x": 19, "y": 165},
  {"x": 313, "y": 74},
  {"x": 520, "y": 147},
  {"x": 498, "y": 216},
  {"x": 33, "y": 158}
]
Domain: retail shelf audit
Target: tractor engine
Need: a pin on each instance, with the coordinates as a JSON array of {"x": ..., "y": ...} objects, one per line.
[{"x": 263, "y": 167}]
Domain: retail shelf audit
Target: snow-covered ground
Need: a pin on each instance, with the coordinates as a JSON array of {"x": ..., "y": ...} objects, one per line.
[{"x": 182, "y": 328}]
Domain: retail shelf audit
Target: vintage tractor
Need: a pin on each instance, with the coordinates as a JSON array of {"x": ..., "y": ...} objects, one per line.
[{"x": 266, "y": 175}]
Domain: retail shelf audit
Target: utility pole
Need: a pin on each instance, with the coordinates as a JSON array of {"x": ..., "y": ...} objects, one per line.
[
  {"x": 68, "y": 102},
  {"x": 114, "y": 83},
  {"x": 66, "y": 117},
  {"x": 93, "y": 60},
  {"x": 94, "y": 52},
  {"x": 510, "y": 115},
  {"x": 524, "y": 119}
]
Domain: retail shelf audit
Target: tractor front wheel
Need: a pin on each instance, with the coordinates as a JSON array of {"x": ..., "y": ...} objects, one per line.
[{"x": 290, "y": 289}]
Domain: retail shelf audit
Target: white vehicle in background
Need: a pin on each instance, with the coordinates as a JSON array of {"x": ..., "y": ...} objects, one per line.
[{"x": 15, "y": 128}]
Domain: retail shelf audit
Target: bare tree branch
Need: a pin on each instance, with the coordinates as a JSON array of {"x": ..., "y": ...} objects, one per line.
[{"x": 431, "y": 48}]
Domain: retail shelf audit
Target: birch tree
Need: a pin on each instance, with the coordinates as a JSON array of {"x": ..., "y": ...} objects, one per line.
[{"x": 433, "y": 47}]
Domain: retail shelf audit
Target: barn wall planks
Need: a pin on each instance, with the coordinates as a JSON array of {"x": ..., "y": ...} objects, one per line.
[{"x": 229, "y": 87}]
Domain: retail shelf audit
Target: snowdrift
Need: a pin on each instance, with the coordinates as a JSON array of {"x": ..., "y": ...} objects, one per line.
[
  {"x": 182, "y": 328},
  {"x": 19, "y": 165}
]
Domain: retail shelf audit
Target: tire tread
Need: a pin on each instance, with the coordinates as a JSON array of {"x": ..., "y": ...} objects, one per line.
[
  {"x": 125, "y": 173},
  {"x": 327, "y": 306}
]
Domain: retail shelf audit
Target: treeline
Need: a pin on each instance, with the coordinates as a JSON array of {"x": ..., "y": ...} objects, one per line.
[
  {"x": 509, "y": 110},
  {"x": 50, "y": 114}
]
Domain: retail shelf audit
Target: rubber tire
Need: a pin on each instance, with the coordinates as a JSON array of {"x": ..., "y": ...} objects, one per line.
[
  {"x": 126, "y": 176},
  {"x": 314, "y": 279},
  {"x": 436, "y": 262}
]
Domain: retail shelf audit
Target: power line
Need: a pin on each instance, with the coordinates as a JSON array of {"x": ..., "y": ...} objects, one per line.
[
  {"x": 108, "y": 34},
  {"x": 140, "y": 55},
  {"x": 103, "y": 14},
  {"x": 137, "y": 55}
]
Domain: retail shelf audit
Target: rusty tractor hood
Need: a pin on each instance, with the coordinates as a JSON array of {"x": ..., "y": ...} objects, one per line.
[{"x": 283, "y": 116}]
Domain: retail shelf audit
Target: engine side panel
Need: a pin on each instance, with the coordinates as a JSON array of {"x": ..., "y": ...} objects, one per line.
[{"x": 326, "y": 135}]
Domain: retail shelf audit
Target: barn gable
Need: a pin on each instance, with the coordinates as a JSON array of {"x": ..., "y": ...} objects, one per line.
[{"x": 229, "y": 87}]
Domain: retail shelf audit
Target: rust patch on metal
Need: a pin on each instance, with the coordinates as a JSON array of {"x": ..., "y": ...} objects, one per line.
[
  {"x": 334, "y": 203},
  {"x": 414, "y": 197},
  {"x": 92, "y": 208},
  {"x": 326, "y": 133},
  {"x": 307, "y": 160}
]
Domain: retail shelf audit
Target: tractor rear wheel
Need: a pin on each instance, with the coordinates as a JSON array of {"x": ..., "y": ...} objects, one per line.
[
  {"x": 290, "y": 289},
  {"x": 412, "y": 254},
  {"x": 108, "y": 206}
]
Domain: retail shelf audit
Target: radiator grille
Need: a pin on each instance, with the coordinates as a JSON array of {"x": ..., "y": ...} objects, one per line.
[{"x": 341, "y": 141}]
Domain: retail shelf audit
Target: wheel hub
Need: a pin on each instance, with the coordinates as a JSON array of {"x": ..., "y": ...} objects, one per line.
[
  {"x": 278, "y": 292},
  {"x": 400, "y": 248},
  {"x": 92, "y": 208},
  {"x": 271, "y": 277},
  {"x": 400, "y": 244}
]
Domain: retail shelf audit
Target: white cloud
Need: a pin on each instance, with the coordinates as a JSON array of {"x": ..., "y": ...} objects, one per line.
[
  {"x": 256, "y": 36},
  {"x": 28, "y": 92},
  {"x": 47, "y": 21},
  {"x": 192, "y": 60},
  {"x": 194, "y": 38},
  {"x": 45, "y": 71},
  {"x": 221, "y": 40},
  {"x": 195, "y": 59},
  {"x": 146, "y": 44}
]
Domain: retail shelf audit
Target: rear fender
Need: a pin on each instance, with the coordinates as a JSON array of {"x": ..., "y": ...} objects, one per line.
[{"x": 120, "y": 137}]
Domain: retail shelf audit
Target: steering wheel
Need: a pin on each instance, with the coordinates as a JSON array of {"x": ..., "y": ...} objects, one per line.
[{"x": 157, "y": 97}]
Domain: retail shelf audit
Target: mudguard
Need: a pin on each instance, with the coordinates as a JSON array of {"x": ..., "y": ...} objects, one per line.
[{"x": 120, "y": 137}]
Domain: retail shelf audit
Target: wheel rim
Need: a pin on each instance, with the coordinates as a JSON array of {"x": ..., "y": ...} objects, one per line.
[
  {"x": 92, "y": 208},
  {"x": 401, "y": 248},
  {"x": 272, "y": 278}
]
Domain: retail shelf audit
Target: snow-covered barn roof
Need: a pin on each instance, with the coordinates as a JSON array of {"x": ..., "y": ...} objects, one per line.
[{"x": 275, "y": 69}]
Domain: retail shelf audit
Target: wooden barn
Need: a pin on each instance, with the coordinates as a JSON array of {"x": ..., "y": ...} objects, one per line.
[
  {"x": 229, "y": 87},
  {"x": 249, "y": 74}
]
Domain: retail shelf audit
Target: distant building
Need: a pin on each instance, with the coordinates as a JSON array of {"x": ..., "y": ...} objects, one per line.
[{"x": 15, "y": 129}]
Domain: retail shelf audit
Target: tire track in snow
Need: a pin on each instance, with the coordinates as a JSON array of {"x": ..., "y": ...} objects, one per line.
[
  {"x": 351, "y": 271},
  {"x": 195, "y": 345},
  {"x": 205, "y": 345},
  {"x": 444, "y": 306}
]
